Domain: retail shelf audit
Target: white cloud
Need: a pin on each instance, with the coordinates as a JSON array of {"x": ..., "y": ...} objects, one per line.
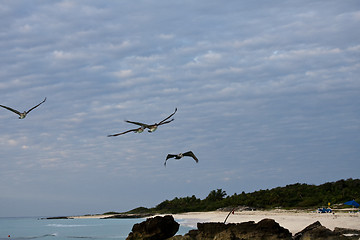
[
  {"x": 25, "y": 28},
  {"x": 124, "y": 73},
  {"x": 206, "y": 59},
  {"x": 63, "y": 55},
  {"x": 166, "y": 36},
  {"x": 12, "y": 142},
  {"x": 304, "y": 53}
]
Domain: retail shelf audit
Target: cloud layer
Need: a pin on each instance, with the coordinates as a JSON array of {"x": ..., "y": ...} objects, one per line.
[{"x": 267, "y": 95}]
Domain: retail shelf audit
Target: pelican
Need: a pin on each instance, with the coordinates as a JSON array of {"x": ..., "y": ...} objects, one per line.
[
  {"x": 153, "y": 127},
  {"x": 136, "y": 130},
  {"x": 22, "y": 115},
  {"x": 181, "y": 155}
]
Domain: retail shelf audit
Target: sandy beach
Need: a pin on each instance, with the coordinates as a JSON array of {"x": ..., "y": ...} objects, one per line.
[{"x": 294, "y": 221}]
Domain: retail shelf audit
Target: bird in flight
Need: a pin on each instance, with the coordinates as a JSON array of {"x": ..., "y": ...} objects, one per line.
[
  {"x": 136, "y": 130},
  {"x": 181, "y": 155},
  {"x": 22, "y": 114},
  {"x": 153, "y": 127},
  {"x": 143, "y": 126}
]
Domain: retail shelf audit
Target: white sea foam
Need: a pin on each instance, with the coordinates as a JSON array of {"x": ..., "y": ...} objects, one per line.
[{"x": 191, "y": 222}]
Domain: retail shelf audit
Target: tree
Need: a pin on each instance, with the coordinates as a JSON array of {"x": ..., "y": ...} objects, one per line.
[{"x": 217, "y": 195}]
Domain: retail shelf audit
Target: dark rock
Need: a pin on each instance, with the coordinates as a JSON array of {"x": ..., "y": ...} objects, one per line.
[
  {"x": 352, "y": 234},
  {"x": 191, "y": 234},
  {"x": 179, "y": 237},
  {"x": 59, "y": 218},
  {"x": 129, "y": 215},
  {"x": 157, "y": 228},
  {"x": 209, "y": 230},
  {"x": 266, "y": 229},
  {"x": 347, "y": 231},
  {"x": 316, "y": 231}
]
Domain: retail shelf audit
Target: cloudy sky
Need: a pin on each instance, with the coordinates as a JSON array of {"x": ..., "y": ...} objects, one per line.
[{"x": 268, "y": 94}]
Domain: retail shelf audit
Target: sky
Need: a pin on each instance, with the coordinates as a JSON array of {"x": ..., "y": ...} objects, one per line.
[{"x": 267, "y": 92}]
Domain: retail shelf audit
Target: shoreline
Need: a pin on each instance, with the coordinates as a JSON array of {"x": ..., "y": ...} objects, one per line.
[
  {"x": 106, "y": 216},
  {"x": 293, "y": 220}
]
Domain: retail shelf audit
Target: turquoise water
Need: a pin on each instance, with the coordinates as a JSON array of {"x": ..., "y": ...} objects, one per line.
[{"x": 58, "y": 229}]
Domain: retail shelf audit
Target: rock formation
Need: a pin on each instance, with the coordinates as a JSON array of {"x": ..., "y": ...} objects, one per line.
[
  {"x": 157, "y": 228},
  {"x": 316, "y": 231},
  {"x": 347, "y": 231},
  {"x": 266, "y": 229}
]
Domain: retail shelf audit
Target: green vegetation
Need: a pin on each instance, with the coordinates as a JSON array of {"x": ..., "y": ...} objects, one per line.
[
  {"x": 110, "y": 213},
  {"x": 294, "y": 196}
]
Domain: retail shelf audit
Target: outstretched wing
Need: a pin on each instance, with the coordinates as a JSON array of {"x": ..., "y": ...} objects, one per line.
[
  {"x": 169, "y": 156},
  {"x": 117, "y": 134},
  {"x": 35, "y": 106},
  {"x": 162, "y": 121},
  {"x": 13, "y": 110},
  {"x": 165, "y": 122},
  {"x": 138, "y": 123},
  {"x": 191, "y": 154}
]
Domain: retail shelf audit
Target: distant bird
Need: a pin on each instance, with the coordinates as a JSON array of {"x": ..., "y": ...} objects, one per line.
[
  {"x": 153, "y": 127},
  {"x": 136, "y": 130},
  {"x": 23, "y": 114},
  {"x": 181, "y": 155},
  {"x": 143, "y": 126}
]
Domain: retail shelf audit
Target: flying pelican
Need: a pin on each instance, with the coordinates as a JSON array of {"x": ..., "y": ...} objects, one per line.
[
  {"x": 180, "y": 155},
  {"x": 136, "y": 130},
  {"x": 23, "y": 114},
  {"x": 153, "y": 127}
]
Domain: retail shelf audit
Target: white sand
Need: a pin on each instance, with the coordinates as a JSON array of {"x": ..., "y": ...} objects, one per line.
[{"x": 294, "y": 221}]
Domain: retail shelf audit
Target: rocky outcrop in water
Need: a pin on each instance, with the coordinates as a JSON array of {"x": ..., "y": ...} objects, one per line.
[
  {"x": 316, "y": 231},
  {"x": 266, "y": 229},
  {"x": 157, "y": 228}
]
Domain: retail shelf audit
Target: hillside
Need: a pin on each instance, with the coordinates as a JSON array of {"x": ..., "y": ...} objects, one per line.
[{"x": 300, "y": 196}]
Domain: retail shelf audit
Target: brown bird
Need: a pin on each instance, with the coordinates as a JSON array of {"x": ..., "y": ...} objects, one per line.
[
  {"x": 143, "y": 126},
  {"x": 22, "y": 114},
  {"x": 153, "y": 127},
  {"x": 136, "y": 130},
  {"x": 181, "y": 155}
]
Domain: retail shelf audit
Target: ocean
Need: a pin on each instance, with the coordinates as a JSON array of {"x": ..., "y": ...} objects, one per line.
[{"x": 58, "y": 229}]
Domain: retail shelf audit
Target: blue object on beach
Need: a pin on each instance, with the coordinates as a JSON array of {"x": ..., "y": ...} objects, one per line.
[
  {"x": 352, "y": 203},
  {"x": 324, "y": 210}
]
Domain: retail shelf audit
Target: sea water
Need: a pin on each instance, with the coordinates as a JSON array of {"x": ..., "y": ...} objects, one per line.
[{"x": 58, "y": 229}]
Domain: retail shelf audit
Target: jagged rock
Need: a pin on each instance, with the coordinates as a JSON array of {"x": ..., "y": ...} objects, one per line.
[
  {"x": 160, "y": 228},
  {"x": 179, "y": 237},
  {"x": 266, "y": 229},
  {"x": 157, "y": 228},
  {"x": 347, "y": 231},
  {"x": 316, "y": 231},
  {"x": 351, "y": 234},
  {"x": 209, "y": 230}
]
